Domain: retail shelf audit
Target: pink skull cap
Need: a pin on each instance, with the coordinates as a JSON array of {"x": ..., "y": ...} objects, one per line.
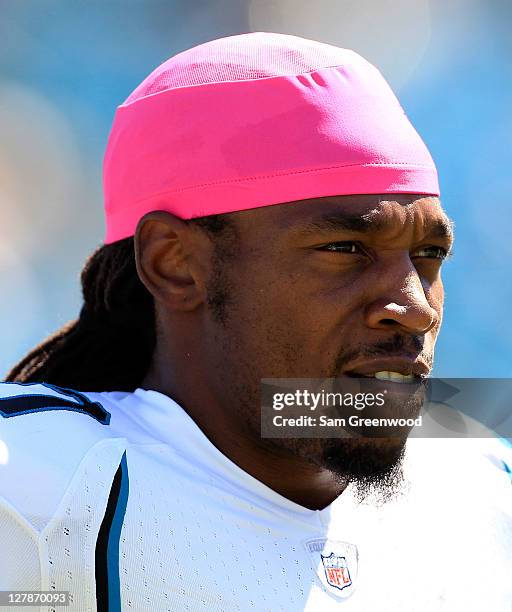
[{"x": 253, "y": 120}]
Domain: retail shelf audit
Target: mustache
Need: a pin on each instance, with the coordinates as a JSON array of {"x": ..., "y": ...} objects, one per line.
[{"x": 397, "y": 345}]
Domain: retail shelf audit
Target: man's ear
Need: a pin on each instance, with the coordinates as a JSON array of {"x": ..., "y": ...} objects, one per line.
[{"x": 171, "y": 257}]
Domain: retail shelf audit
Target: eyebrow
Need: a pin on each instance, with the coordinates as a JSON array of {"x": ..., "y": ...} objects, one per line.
[{"x": 442, "y": 228}]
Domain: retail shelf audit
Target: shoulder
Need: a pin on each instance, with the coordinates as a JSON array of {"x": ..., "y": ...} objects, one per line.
[
  {"x": 486, "y": 455},
  {"x": 41, "y": 420},
  {"x": 489, "y": 457},
  {"x": 474, "y": 471},
  {"x": 496, "y": 454},
  {"x": 46, "y": 432},
  {"x": 36, "y": 418}
]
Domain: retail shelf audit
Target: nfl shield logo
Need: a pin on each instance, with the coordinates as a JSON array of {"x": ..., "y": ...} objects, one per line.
[
  {"x": 335, "y": 564},
  {"x": 336, "y": 571}
]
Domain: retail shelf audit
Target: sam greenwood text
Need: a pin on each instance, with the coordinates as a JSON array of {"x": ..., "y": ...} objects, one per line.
[{"x": 352, "y": 421}]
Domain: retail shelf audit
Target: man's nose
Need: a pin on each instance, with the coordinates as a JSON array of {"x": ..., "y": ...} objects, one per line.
[{"x": 404, "y": 305}]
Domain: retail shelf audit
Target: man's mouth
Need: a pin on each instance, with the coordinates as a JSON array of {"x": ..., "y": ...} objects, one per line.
[
  {"x": 397, "y": 370},
  {"x": 389, "y": 376},
  {"x": 394, "y": 376}
]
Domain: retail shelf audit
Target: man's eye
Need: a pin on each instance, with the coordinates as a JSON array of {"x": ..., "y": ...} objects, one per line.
[
  {"x": 432, "y": 252},
  {"x": 341, "y": 247}
]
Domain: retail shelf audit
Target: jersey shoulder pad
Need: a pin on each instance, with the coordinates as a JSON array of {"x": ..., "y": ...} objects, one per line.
[{"x": 45, "y": 434}]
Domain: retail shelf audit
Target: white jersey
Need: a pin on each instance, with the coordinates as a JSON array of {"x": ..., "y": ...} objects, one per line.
[{"x": 120, "y": 499}]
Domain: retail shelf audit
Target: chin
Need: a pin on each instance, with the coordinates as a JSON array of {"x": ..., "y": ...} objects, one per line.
[{"x": 373, "y": 464}]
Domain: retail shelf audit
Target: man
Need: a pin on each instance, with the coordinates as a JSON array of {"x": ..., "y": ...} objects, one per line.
[{"x": 271, "y": 213}]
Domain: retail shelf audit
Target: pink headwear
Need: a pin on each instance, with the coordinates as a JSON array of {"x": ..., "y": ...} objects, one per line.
[{"x": 253, "y": 120}]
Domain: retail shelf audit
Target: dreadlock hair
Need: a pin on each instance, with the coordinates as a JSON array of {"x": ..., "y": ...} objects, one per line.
[{"x": 110, "y": 345}]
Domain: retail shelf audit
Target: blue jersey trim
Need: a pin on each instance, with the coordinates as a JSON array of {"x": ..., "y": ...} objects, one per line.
[
  {"x": 108, "y": 582},
  {"x": 114, "y": 587},
  {"x": 17, "y": 405}
]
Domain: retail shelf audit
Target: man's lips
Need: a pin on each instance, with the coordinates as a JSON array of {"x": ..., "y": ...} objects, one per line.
[{"x": 404, "y": 365}]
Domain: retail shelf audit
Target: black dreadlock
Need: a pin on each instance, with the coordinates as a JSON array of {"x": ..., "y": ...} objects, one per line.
[{"x": 110, "y": 346}]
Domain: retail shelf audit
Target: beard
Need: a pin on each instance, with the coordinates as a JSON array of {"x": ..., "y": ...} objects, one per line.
[{"x": 373, "y": 466}]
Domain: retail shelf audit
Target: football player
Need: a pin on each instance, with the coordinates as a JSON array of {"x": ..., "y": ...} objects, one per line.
[{"x": 271, "y": 213}]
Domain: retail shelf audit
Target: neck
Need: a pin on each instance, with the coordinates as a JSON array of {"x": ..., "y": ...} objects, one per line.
[{"x": 291, "y": 476}]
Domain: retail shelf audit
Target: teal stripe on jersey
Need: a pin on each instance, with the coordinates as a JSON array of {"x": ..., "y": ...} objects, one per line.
[
  {"x": 114, "y": 589},
  {"x": 108, "y": 590}
]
